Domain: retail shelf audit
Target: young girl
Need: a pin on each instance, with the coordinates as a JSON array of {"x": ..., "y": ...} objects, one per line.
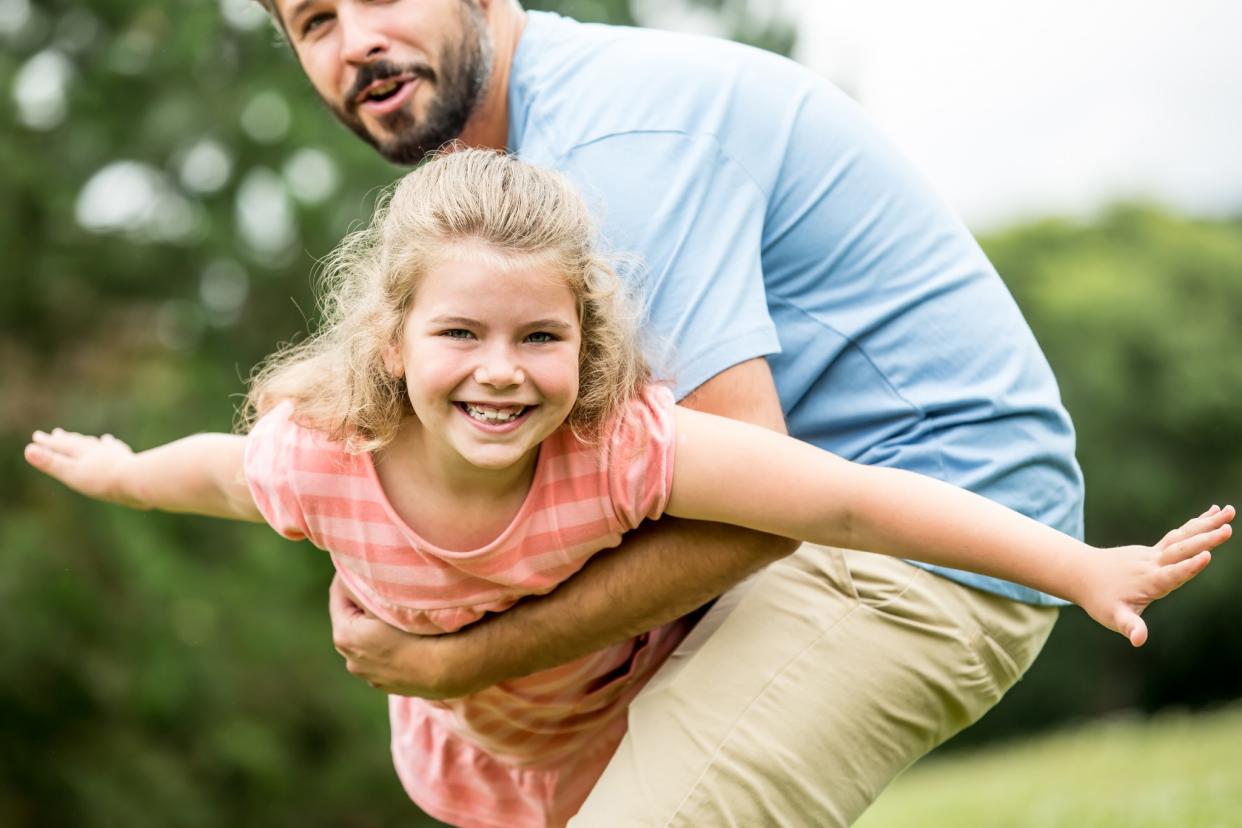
[{"x": 474, "y": 421}]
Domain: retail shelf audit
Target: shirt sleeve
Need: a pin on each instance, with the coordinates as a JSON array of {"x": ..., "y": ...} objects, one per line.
[
  {"x": 269, "y": 464},
  {"x": 694, "y": 218},
  {"x": 639, "y": 450}
]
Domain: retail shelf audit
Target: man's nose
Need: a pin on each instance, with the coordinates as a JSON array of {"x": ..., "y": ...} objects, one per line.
[
  {"x": 361, "y": 41},
  {"x": 499, "y": 368}
]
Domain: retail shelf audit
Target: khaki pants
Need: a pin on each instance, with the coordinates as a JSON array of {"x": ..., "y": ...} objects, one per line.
[{"x": 804, "y": 691}]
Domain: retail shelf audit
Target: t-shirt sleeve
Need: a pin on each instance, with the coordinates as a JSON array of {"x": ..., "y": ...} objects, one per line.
[
  {"x": 639, "y": 449},
  {"x": 271, "y": 450},
  {"x": 694, "y": 217}
]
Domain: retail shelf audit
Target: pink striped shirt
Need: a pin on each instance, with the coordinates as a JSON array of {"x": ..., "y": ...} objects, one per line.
[{"x": 525, "y": 752}]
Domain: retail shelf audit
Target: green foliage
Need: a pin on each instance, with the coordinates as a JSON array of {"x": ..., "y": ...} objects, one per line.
[
  {"x": 1137, "y": 313},
  {"x": 170, "y": 671}
]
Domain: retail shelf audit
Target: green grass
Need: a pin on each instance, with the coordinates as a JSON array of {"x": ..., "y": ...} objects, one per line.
[{"x": 1172, "y": 770}]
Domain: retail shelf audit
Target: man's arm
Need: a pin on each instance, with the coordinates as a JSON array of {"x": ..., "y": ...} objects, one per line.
[{"x": 660, "y": 572}]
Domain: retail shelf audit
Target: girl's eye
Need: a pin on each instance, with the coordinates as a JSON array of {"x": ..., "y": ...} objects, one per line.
[
  {"x": 456, "y": 333},
  {"x": 541, "y": 338}
]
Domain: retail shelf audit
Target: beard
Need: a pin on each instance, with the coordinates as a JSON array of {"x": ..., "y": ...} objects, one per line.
[{"x": 459, "y": 83}]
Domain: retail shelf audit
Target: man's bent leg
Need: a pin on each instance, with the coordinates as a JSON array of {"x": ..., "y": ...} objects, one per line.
[{"x": 805, "y": 691}]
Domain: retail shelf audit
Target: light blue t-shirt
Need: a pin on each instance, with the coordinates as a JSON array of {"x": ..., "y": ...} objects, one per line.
[{"x": 773, "y": 220}]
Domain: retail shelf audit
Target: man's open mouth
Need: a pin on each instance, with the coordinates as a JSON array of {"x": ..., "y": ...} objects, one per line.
[
  {"x": 493, "y": 414},
  {"x": 384, "y": 89}
]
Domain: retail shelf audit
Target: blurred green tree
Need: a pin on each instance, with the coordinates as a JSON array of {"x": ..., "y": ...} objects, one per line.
[
  {"x": 168, "y": 180},
  {"x": 1138, "y": 312}
]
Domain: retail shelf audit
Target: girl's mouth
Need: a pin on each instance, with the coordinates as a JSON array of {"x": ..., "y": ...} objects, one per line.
[{"x": 494, "y": 415}]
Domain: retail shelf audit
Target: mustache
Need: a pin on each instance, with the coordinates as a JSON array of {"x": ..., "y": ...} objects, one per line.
[{"x": 382, "y": 70}]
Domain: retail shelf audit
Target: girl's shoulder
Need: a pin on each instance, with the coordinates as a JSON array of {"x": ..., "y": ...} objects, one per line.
[
  {"x": 645, "y": 423},
  {"x": 299, "y": 477},
  {"x": 302, "y": 443}
]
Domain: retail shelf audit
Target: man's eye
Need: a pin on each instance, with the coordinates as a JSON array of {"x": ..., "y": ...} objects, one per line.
[
  {"x": 541, "y": 337},
  {"x": 314, "y": 22},
  {"x": 456, "y": 333}
]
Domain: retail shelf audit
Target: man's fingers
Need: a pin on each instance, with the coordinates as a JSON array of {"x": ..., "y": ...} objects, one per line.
[
  {"x": 341, "y": 604},
  {"x": 343, "y": 600},
  {"x": 336, "y": 594}
]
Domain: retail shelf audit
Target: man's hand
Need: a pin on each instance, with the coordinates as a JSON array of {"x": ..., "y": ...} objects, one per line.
[{"x": 383, "y": 656}]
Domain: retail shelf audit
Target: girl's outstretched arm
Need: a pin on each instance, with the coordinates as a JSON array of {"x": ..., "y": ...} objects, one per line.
[
  {"x": 202, "y": 474},
  {"x": 731, "y": 472}
]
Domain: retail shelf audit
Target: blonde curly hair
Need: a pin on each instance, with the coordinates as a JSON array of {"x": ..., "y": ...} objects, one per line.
[{"x": 337, "y": 379}]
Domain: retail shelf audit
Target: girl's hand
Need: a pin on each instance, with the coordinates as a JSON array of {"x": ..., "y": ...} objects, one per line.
[
  {"x": 94, "y": 466},
  {"x": 1122, "y": 581}
]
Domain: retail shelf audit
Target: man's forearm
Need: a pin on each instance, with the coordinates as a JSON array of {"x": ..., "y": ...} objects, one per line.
[{"x": 661, "y": 572}]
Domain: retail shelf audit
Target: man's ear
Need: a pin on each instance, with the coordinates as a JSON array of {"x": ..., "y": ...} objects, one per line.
[{"x": 392, "y": 361}]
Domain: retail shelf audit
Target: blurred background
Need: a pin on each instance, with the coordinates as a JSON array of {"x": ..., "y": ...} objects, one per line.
[{"x": 168, "y": 179}]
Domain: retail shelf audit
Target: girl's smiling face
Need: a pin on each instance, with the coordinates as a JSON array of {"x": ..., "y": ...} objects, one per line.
[{"x": 489, "y": 352}]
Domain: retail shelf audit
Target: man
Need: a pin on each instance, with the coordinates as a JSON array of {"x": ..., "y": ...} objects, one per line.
[{"x": 802, "y": 276}]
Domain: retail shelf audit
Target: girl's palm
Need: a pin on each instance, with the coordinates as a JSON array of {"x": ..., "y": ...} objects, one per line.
[
  {"x": 1138, "y": 575},
  {"x": 90, "y": 465}
]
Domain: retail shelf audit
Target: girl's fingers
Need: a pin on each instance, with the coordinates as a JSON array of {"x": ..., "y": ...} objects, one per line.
[
  {"x": 1128, "y": 623},
  {"x": 64, "y": 442},
  {"x": 46, "y": 444},
  {"x": 1176, "y": 575},
  {"x": 48, "y": 462},
  {"x": 1206, "y": 522},
  {"x": 1191, "y": 546}
]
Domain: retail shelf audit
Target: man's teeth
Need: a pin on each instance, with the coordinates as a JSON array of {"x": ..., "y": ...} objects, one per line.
[
  {"x": 383, "y": 91},
  {"x": 494, "y": 415}
]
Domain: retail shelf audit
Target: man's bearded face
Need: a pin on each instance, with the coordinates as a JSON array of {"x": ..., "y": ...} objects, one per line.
[{"x": 458, "y": 81}]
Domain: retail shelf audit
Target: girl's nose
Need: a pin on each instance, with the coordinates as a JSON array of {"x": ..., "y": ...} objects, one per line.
[{"x": 499, "y": 370}]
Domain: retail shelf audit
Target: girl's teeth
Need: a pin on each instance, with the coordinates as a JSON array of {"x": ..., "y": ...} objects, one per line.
[{"x": 492, "y": 415}]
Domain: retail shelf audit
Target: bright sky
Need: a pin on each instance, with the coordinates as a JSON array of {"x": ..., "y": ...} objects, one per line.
[{"x": 1015, "y": 110}]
